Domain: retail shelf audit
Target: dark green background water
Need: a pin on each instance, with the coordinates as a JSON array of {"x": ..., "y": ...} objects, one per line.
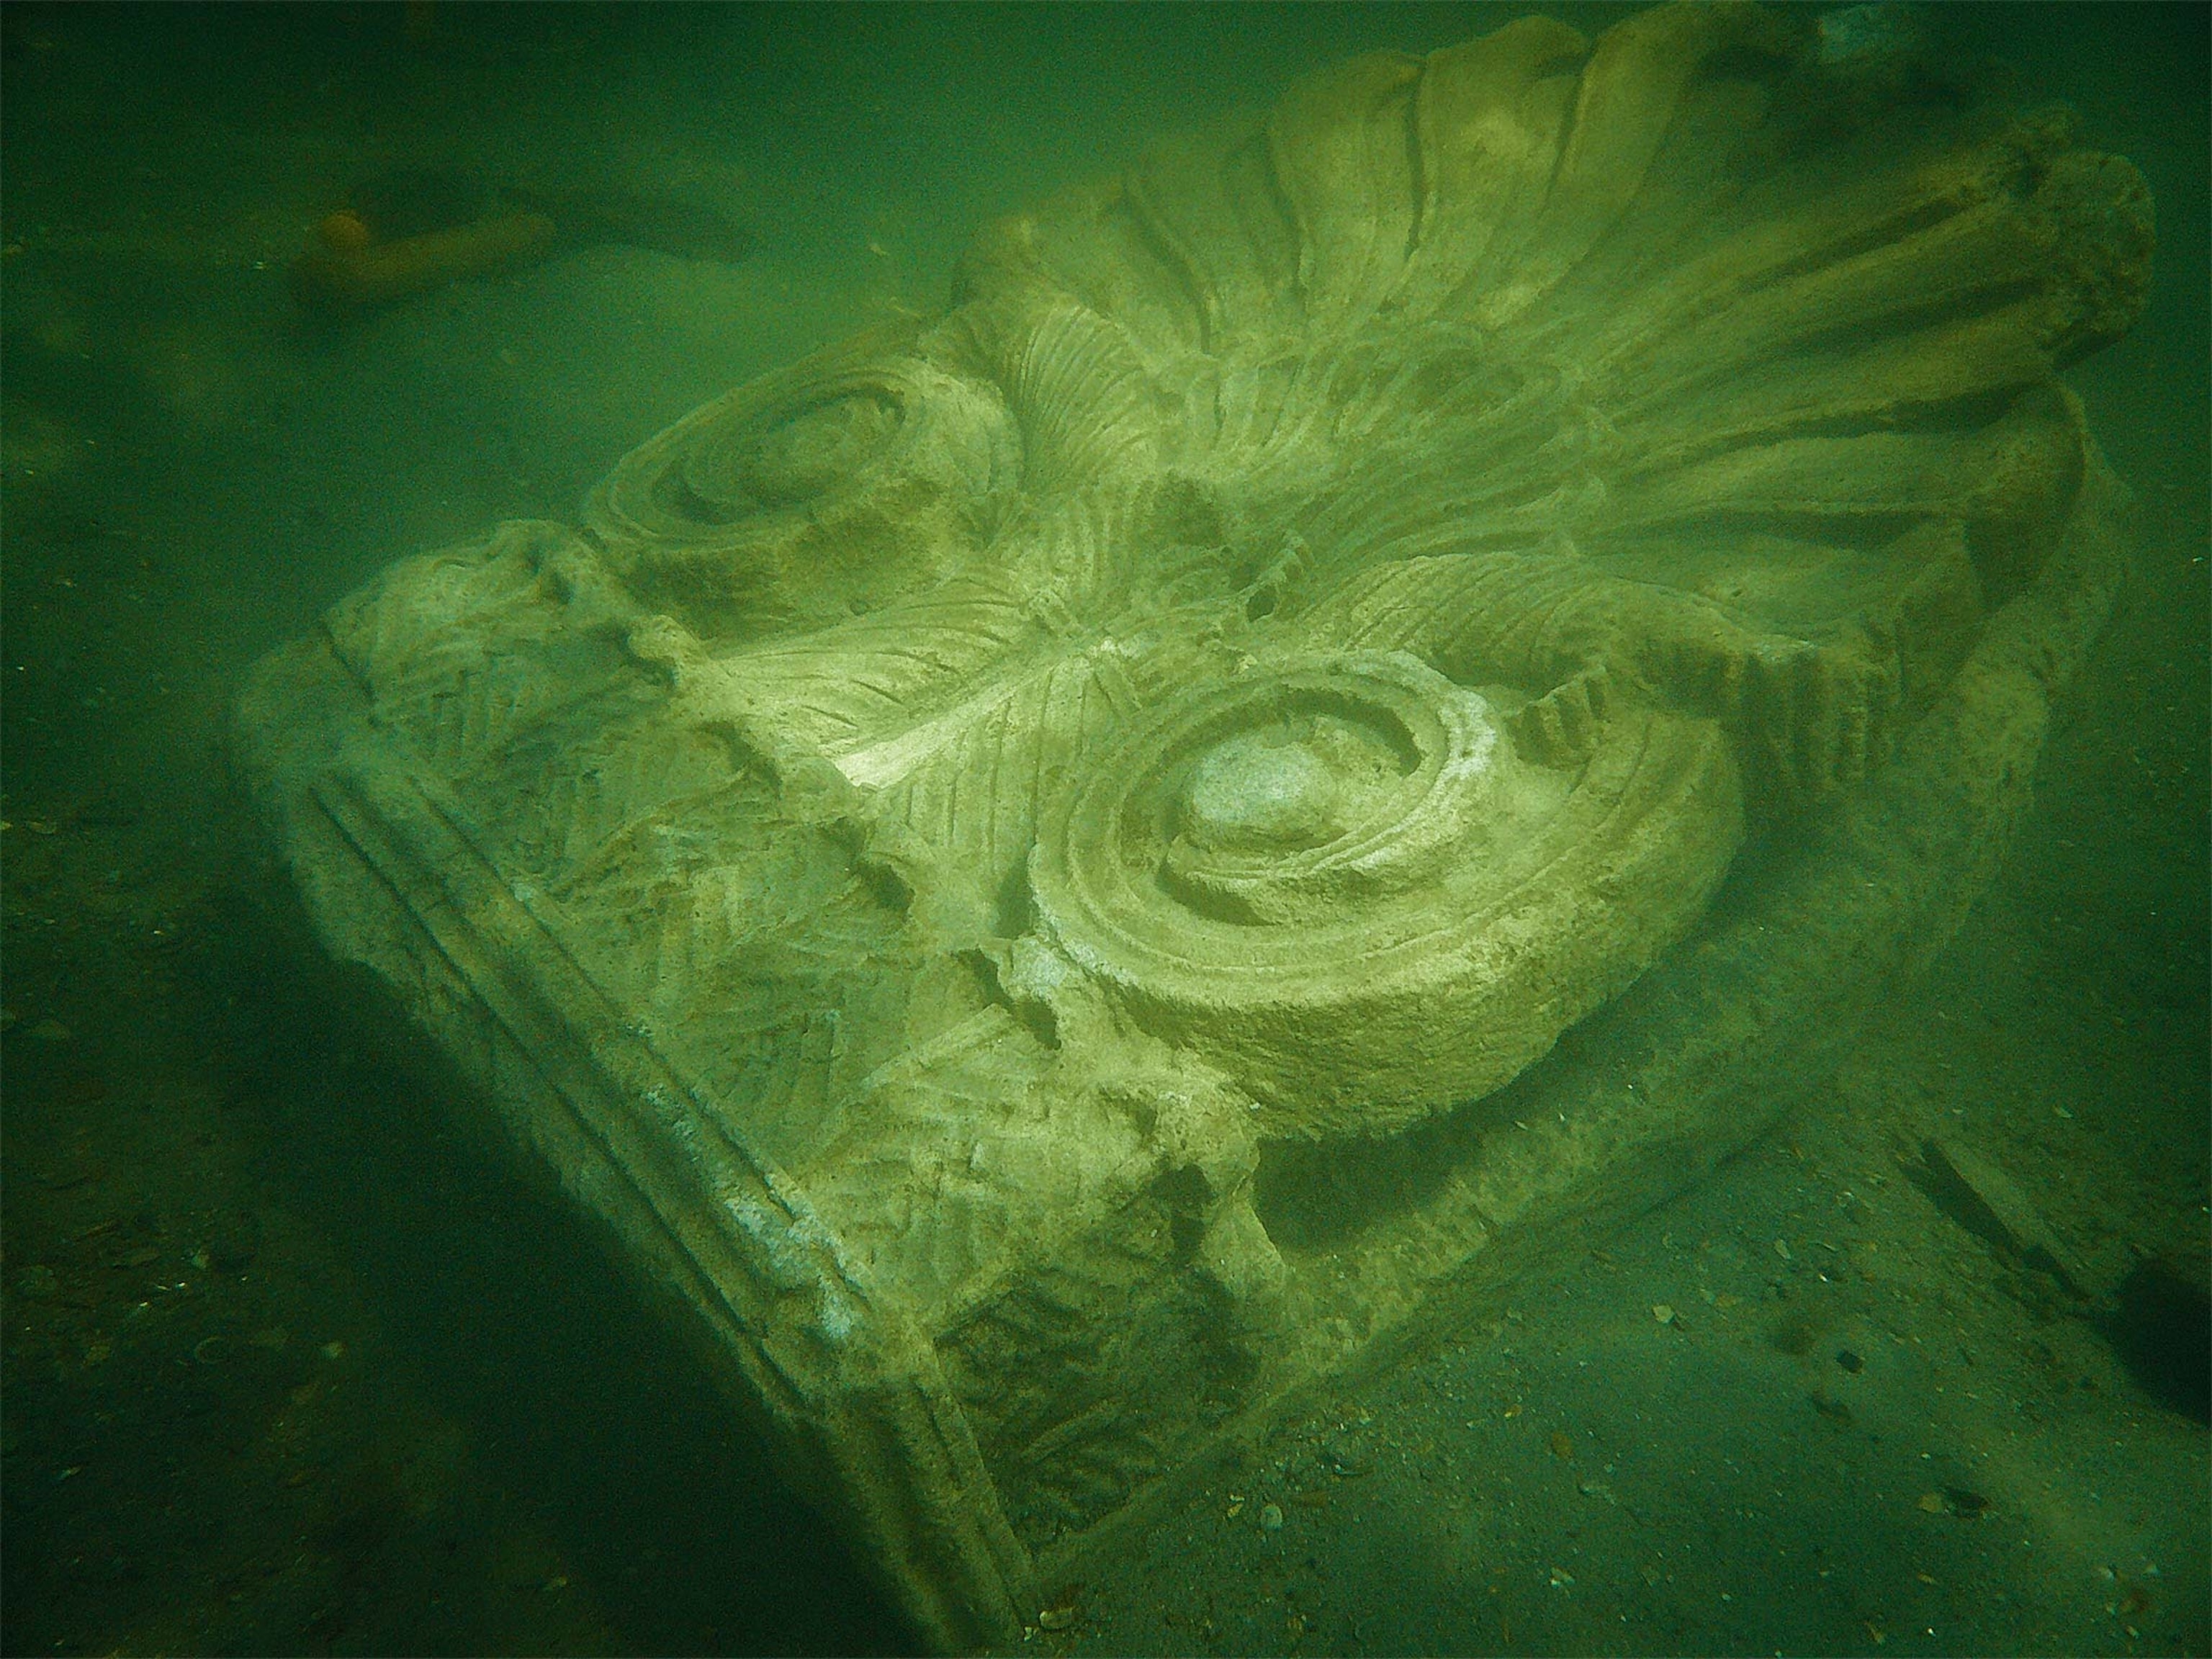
[{"x": 297, "y": 1361}]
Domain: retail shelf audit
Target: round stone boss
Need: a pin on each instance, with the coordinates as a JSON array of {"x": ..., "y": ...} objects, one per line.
[{"x": 1337, "y": 881}]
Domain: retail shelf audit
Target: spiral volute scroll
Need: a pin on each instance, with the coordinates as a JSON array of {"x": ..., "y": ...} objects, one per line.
[
  {"x": 812, "y": 493},
  {"x": 1338, "y": 881}
]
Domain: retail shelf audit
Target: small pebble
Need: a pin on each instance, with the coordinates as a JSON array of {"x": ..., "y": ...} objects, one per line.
[{"x": 1270, "y": 1517}]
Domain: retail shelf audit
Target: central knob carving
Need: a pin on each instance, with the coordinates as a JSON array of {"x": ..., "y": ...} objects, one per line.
[{"x": 1260, "y": 791}]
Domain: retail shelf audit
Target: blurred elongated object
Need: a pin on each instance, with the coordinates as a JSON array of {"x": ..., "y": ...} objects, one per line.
[
  {"x": 348, "y": 273},
  {"x": 410, "y": 231},
  {"x": 683, "y": 230}
]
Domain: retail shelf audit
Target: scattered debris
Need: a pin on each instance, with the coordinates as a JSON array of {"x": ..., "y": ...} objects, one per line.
[
  {"x": 1956, "y": 1501},
  {"x": 1063, "y": 1611},
  {"x": 1982, "y": 1198},
  {"x": 1830, "y": 1407}
]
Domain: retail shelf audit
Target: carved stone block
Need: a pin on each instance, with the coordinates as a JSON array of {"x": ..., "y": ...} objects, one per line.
[{"x": 1380, "y": 689}]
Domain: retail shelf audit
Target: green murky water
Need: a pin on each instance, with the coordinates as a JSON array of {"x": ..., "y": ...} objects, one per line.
[{"x": 298, "y": 1360}]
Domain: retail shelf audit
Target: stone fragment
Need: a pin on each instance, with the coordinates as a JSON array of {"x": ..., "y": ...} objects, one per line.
[{"x": 1380, "y": 691}]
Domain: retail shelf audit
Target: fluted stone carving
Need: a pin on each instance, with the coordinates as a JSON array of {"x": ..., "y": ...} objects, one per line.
[{"x": 1062, "y": 873}]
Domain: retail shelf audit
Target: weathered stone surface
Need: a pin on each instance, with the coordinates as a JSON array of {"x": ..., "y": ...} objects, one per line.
[{"x": 1380, "y": 689}]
